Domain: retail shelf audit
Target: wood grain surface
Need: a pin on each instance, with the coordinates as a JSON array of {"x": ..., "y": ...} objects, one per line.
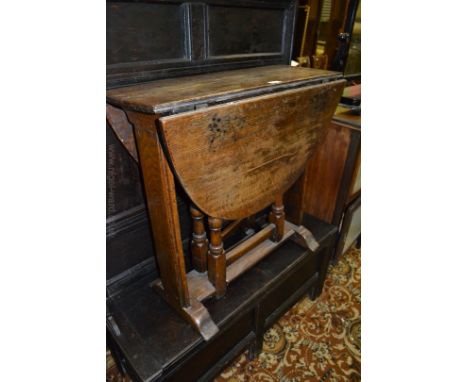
[
  {"x": 324, "y": 173},
  {"x": 216, "y": 257},
  {"x": 162, "y": 208},
  {"x": 199, "y": 242},
  {"x": 234, "y": 159},
  {"x": 117, "y": 119},
  {"x": 165, "y": 95}
]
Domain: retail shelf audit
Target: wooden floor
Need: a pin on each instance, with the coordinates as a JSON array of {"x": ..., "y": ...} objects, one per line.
[{"x": 313, "y": 341}]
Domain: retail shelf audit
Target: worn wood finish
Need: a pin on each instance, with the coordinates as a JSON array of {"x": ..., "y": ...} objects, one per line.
[
  {"x": 252, "y": 257},
  {"x": 195, "y": 312},
  {"x": 277, "y": 218},
  {"x": 216, "y": 257},
  {"x": 247, "y": 151},
  {"x": 156, "y": 344},
  {"x": 201, "y": 287},
  {"x": 238, "y": 251},
  {"x": 333, "y": 173},
  {"x": 129, "y": 242},
  {"x": 199, "y": 243},
  {"x": 117, "y": 119},
  {"x": 204, "y": 37},
  {"x": 304, "y": 237},
  {"x": 333, "y": 168},
  {"x": 161, "y": 39},
  {"x": 270, "y": 152},
  {"x": 175, "y": 94},
  {"x": 148, "y": 40},
  {"x": 346, "y": 179},
  {"x": 128, "y": 236},
  {"x": 325, "y": 171},
  {"x": 225, "y": 144},
  {"x": 242, "y": 258},
  {"x": 162, "y": 207},
  {"x": 295, "y": 199}
]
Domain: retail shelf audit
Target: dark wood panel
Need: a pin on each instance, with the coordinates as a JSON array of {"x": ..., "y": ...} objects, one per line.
[
  {"x": 198, "y": 31},
  {"x": 261, "y": 32},
  {"x": 294, "y": 200},
  {"x": 134, "y": 32},
  {"x": 158, "y": 344},
  {"x": 350, "y": 166},
  {"x": 210, "y": 352},
  {"x": 199, "y": 37},
  {"x": 292, "y": 284},
  {"x": 151, "y": 39},
  {"x": 128, "y": 237},
  {"x": 128, "y": 234},
  {"x": 128, "y": 240},
  {"x": 123, "y": 187},
  {"x": 324, "y": 173},
  {"x": 129, "y": 246}
]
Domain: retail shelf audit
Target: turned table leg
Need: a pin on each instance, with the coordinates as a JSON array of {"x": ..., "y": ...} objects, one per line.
[
  {"x": 216, "y": 257},
  {"x": 199, "y": 243},
  {"x": 277, "y": 217}
]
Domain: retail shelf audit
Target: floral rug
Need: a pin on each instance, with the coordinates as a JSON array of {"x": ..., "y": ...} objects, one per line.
[{"x": 313, "y": 341}]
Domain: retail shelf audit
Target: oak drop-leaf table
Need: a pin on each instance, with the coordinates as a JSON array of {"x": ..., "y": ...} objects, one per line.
[{"x": 235, "y": 142}]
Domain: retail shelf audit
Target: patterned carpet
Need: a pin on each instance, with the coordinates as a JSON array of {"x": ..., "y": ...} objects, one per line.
[{"x": 314, "y": 341}]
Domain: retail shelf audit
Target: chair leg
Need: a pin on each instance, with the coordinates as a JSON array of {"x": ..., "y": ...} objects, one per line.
[
  {"x": 216, "y": 258},
  {"x": 277, "y": 217},
  {"x": 199, "y": 243}
]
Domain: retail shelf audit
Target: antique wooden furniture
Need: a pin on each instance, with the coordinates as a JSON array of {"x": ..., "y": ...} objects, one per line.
[
  {"x": 207, "y": 127},
  {"x": 148, "y": 40},
  {"x": 244, "y": 141},
  {"x": 161, "y": 39},
  {"x": 152, "y": 343},
  {"x": 332, "y": 180}
]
